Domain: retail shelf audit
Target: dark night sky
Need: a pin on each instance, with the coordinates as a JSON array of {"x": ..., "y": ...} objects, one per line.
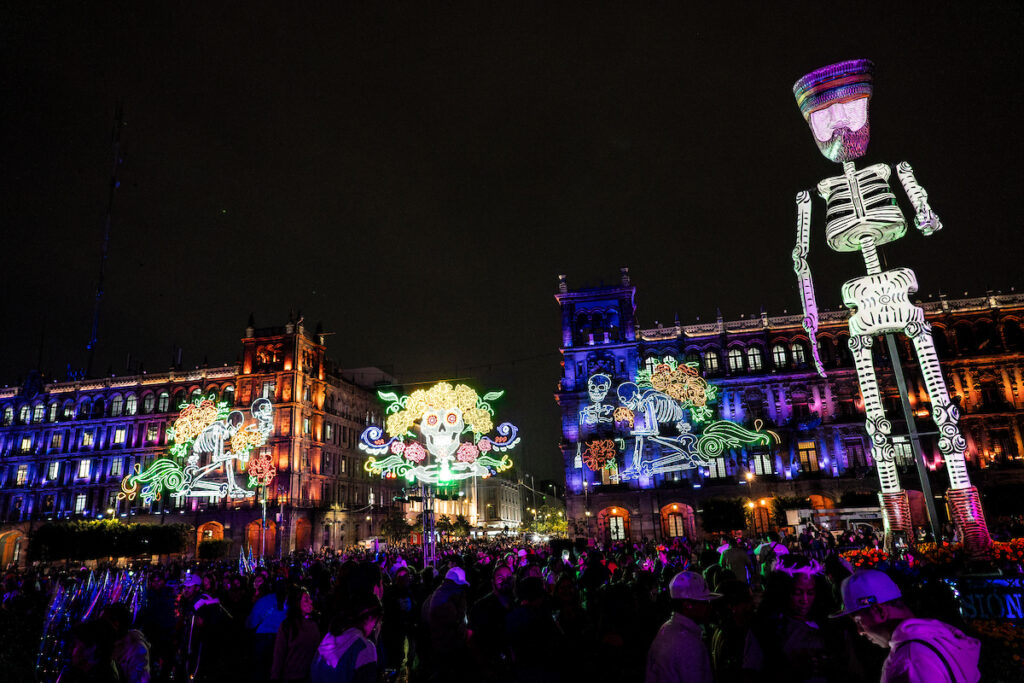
[{"x": 416, "y": 178}]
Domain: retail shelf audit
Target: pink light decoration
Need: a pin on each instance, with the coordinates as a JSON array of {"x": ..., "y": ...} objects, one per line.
[
  {"x": 397, "y": 447},
  {"x": 467, "y": 452},
  {"x": 484, "y": 445},
  {"x": 415, "y": 452}
]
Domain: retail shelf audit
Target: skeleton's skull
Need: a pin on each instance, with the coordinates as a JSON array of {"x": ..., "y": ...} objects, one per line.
[
  {"x": 598, "y": 386},
  {"x": 441, "y": 429}
]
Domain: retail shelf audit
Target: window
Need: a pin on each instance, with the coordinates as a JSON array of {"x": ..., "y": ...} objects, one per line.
[
  {"x": 148, "y": 403},
  {"x": 53, "y": 412},
  {"x": 735, "y": 360},
  {"x": 808, "y": 454},
  {"x": 855, "y": 456},
  {"x": 328, "y": 431},
  {"x": 88, "y": 438},
  {"x": 716, "y": 468},
  {"x": 650, "y": 363},
  {"x": 8, "y": 415},
  {"x": 763, "y": 461},
  {"x": 269, "y": 389},
  {"x": 131, "y": 405},
  {"x": 79, "y": 503},
  {"x": 152, "y": 433},
  {"x": 116, "y": 406},
  {"x": 22, "y": 475},
  {"x": 305, "y": 425},
  {"x": 83, "y": 468},
  {"x": 693, "y": 357},
  {"x": 196, "y": 393},
  {"x": 904, "y": 452},
  {"x": 305, "y": 458},
  {"x": 779, "y": 356},
  {"x": 675, "y": 525},
  {"x": 26, "y": 444},
  {"x": 343, "y": 461},
  {"x": 53, "y": 470},
  {"x": 39, "y": 413},
  {"x": 229, "y": 395},
  {"x": 55, "y": 440},
  {"x": 754, "y": 358},
  {"x": 163, "y": 402},
  {"x": 801, "y": 411},
  {"x": 115, "y": 467},
  {"x": 48, "y": 503},
  {"x": 24, "y": 415},
  {"x": 83, "y": 409},
  {"x": 306, "y": 393},
  {"x": 799, "y": 357},
  {"x": 710, "y": 361},
  {"x": 617, "y": 528}
]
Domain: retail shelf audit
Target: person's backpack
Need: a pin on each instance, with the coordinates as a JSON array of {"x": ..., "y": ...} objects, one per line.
[{"x": 768, "y": 558}]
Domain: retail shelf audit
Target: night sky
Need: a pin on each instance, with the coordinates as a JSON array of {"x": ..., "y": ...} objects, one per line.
[{"x": 415, "y": 178}]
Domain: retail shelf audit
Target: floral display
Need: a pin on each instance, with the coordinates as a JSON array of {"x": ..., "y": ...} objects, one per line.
[{"x": 866, "y": 558}]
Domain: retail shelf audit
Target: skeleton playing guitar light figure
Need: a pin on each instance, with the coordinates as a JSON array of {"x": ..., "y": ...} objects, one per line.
[{"x": 861, "y": 215}]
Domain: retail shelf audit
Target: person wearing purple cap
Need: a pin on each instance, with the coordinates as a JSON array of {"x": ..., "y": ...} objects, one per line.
[
  {"x": 678, "y": 653},
  {"x": 920, "y": 650}
]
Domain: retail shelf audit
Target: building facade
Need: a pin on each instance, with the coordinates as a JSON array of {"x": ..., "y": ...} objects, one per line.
[
  {"x": 65, "y": 447},
  {"x": 806, "y": 433}
]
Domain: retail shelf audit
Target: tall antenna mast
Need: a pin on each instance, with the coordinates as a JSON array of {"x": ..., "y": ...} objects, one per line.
[{"x": 114, "y": 183}]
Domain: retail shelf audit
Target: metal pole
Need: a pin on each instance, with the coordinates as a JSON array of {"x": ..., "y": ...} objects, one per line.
[
  {"x": 922, "y": 471},
  {"x": 263, "y": 526}
]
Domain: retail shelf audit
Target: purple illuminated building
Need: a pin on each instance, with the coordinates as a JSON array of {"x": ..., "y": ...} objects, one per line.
[{"x": 817, "y": 464}]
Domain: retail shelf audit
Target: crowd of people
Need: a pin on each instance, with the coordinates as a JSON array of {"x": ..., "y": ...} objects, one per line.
[{"x": 504, "y": 611}]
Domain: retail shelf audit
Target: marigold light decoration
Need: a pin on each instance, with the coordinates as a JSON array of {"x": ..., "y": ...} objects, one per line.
[
  {"x": 223, "y": 437},
  {"x": 442, "y": 414},
  {"x": 683, "y": 383},
  {"x": 598, "y": 454}
]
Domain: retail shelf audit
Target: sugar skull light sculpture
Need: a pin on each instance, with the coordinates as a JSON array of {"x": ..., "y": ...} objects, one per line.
[
  {"x": 443, "y": 415},
  {"x": 861, "y": 215}
]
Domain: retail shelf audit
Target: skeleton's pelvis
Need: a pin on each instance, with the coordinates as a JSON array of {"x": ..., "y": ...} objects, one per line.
[{"x": 881, "y": 303}]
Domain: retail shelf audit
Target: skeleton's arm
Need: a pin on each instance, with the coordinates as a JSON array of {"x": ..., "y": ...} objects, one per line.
[
  {"x": 925, "y": 219},
  {"x": 803, "y": 274}
]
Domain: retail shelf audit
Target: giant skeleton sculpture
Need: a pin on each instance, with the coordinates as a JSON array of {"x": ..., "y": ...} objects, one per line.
[{"x": 861, "y": 215}]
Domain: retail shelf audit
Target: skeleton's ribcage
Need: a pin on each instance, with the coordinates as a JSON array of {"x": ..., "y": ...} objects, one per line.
[
  {"x": 867, "y": 210},
  {"x": 667, "y": 411},
  {"x": 881, "y": 303},
  {"x": 209, "y": 439}
]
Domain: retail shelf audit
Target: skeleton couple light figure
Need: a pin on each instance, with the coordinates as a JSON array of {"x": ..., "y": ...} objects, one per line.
[
  {"x": 443, "y": 414},
  {"x": 208, "y": 431},
  {"x": 660, "y": 409},
  {"x": 861, "y": 215}
]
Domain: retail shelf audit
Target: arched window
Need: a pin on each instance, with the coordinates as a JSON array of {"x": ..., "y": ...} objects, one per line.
[
  {"x": 196, "y": 393},
  {"x": 179, "y": 398},
  {"x": 693, "y": 357},
  {"x": 39, "y": 413},
  {"x": 799, "y": 355},
  {"x": 97, "y": 408},
  {"x": 148, "y": 403},
  {"x": 69, "y": 409},
  {"x": 8, "y": 415},
  {"x": 710, "y": 361},
  {"x": 84, "y": 408},
  {"x": 53, "y": 412},
  {"x": 735, "y": 359},
  {"x": 131, "y": 404},
  {"x": 229, "y": 395},
  {"x": 650, "y": 363},
  {"x": 163, "y": 401},
  {"x": 116, "y": 405},
  {"x": 25, "y": 414},
  {"x": 779, "y": 356},
  {"x": 1014, "y": 337},
  {"x": 754, "y": 358}
]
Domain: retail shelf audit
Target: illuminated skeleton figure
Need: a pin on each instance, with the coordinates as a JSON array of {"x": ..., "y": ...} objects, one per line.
[
  {"x": 861, "y": 215},
  {"x": 212, "y": 440},
  {"x": 657, "y": 409},
  {"x": 596, "y": 411}
]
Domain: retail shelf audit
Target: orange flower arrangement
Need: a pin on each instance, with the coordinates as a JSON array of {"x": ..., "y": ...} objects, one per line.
[{"x": 865, "y": 559}]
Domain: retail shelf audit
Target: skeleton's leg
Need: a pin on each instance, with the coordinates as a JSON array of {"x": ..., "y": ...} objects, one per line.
[
  {"x": 963, "y": 498},
  {"x": 894, "y": 502}
]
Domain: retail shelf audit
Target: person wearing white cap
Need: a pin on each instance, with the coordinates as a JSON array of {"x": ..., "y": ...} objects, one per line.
[
  {"x": 920, "y": 650},
  {"x": 444, "y": 615},
  {"x": 678, "y": 653}
]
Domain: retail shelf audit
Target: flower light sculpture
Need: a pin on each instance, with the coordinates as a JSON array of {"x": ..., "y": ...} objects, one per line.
[
  {"x": 861, "y": 215},
  {"x": 443, "y": 415},
  {"x": 207, "y": 436}
]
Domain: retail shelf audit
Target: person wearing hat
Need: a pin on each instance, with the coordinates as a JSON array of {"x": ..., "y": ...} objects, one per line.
[
  {"x": 920, "y": 650},
  {"x": 444, "y": 617},
  {"x": 346, "y": 654},
  {"x": 678, "y": 653}
]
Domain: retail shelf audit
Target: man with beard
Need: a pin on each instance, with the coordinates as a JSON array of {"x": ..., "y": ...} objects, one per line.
[{"x": 861, "y": 215}]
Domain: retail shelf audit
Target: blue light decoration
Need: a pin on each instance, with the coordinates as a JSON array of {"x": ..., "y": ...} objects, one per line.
[
  {"x": 667, "y": 410},
  {"x": 442, "y": 415}
]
